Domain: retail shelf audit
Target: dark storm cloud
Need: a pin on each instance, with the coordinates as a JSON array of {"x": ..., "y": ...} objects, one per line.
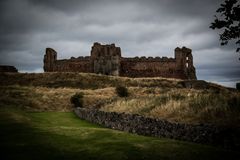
[{"x": 139, "y": 27}]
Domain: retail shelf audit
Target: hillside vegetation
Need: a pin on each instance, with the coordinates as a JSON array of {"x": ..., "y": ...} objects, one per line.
[
  {"x": 82, "y": 80},
  {"x": 153, "y": 97}
]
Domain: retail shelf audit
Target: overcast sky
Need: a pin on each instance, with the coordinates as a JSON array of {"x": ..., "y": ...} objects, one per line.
[{"x": 139, "y": 27}]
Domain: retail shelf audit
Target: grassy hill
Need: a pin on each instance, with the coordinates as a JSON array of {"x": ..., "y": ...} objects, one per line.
[
  {"x": 82, "y": 80},
  {"x": 153, "y": 97}
]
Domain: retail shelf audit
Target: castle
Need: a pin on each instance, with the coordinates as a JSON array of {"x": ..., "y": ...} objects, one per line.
[{"x": 107, "y": 60}]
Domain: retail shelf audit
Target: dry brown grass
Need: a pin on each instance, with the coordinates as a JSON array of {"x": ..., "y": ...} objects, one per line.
[
  {"x": 181, "y": 105},
  {"x": 49, "y": 99},
  {"x": 82, "y": 80}
]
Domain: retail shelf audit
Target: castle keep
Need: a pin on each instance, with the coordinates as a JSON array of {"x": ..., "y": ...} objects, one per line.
[{"x": 107, "y": 59}]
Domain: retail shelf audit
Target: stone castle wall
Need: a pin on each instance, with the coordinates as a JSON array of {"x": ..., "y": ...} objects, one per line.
[
  {"x": 107, "y": 59},
  {"x": 205, "y": 134},
  {"x": 76, "y": 65},
  {"x": 151, "y": 67}
]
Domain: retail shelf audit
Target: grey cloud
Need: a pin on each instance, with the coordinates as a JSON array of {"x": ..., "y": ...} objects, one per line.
[
  {"x": 63, "y": 5},
  {"x": 139, "y": 27}
]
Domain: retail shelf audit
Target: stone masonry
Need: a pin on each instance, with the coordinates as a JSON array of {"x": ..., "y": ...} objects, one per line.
[
  {"x": 226, "y": 137},
  {"x": 107, "y": 60}
]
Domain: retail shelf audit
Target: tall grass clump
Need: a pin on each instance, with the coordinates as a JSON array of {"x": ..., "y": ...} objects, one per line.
[
  {"x": 234, "y": 103},
  {"x": 201, "y": 102},
  {"x": 177, "y": 97},
  {"x": 77, "y": 99},
  {"x": 161, "y": 100},
  {"x": 215, "y": 102}
]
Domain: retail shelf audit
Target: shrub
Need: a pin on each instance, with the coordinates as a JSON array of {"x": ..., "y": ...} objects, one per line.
[
  {"x": 77, "y": 99},
  {"x": 122, "y": 91},
  {"x": 234, "y": 103},
  {"x": 238, "y": 86}
]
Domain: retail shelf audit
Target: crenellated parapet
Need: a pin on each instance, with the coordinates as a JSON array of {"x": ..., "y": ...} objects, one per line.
[
  {"x": 149, "y": 59},
  {"x": 80, "y": 58},
  {"x": 107, "y": 50}
]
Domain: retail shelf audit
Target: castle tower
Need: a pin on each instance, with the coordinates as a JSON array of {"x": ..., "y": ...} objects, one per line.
[
  {"x": 49, "y": 60},
  {"x": 105, "y": 59},
  {"x": 184, "y": 62}
]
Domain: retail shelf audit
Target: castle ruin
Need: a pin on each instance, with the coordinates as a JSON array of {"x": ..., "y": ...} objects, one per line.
[{"x": 107, "y": 60}]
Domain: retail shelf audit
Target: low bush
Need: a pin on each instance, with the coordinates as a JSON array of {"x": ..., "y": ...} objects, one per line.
[
  {"x": 122, "y": 91},
  {"x": 238, "y": 86},
  {"x": 77, "y": 99},
  {"x": 234, "y": 103}
]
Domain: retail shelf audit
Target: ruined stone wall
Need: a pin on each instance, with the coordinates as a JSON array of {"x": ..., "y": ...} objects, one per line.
[
  {"x": 181, "y": 66},
  {"x": 206, "y": 134},
  {"x": 80, "y": 64},
  {"x": 151, "y": 67},
  {"x": 73, "y": 65},
  {"x": 107, "y": 60}
]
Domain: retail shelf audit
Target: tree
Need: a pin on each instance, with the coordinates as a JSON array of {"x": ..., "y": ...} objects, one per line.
[{"x": 228, "y": 22}]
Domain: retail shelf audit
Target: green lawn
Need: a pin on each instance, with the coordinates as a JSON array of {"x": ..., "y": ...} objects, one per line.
[{"x": 58, "y": 135}]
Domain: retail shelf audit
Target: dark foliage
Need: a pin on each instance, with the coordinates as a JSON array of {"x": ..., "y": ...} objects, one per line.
[
  {"x": 238, "y": 86},
  {"x": 234, "y": 103},
  {"x": 122, "y": 91},
  {"x": 77, "y": 99},
  {"x": 229, "y": 22}
]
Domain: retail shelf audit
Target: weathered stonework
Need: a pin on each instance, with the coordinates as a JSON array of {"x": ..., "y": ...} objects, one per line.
[
  {"x": 107, "y": 59},
  {"x": 199, "y": 133}
]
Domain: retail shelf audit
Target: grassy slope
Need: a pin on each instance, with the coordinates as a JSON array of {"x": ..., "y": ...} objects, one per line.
[
  {"x": 61, "y": 135},
  {"x": 181, "y": 105},
  {"x": 82, "y": 80},
  {"x": 154, "y": 97}
]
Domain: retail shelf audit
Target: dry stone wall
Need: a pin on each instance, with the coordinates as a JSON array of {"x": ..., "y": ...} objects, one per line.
[{"x": 205, "y": 134}]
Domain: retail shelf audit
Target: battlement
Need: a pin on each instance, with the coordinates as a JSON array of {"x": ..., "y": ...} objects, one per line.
[
  {"x": 107, "y": 59},
  {"x": 150, "y": 59},
  {"x": 99, "y": 50},
  {"x": 81, "y": 58}
]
